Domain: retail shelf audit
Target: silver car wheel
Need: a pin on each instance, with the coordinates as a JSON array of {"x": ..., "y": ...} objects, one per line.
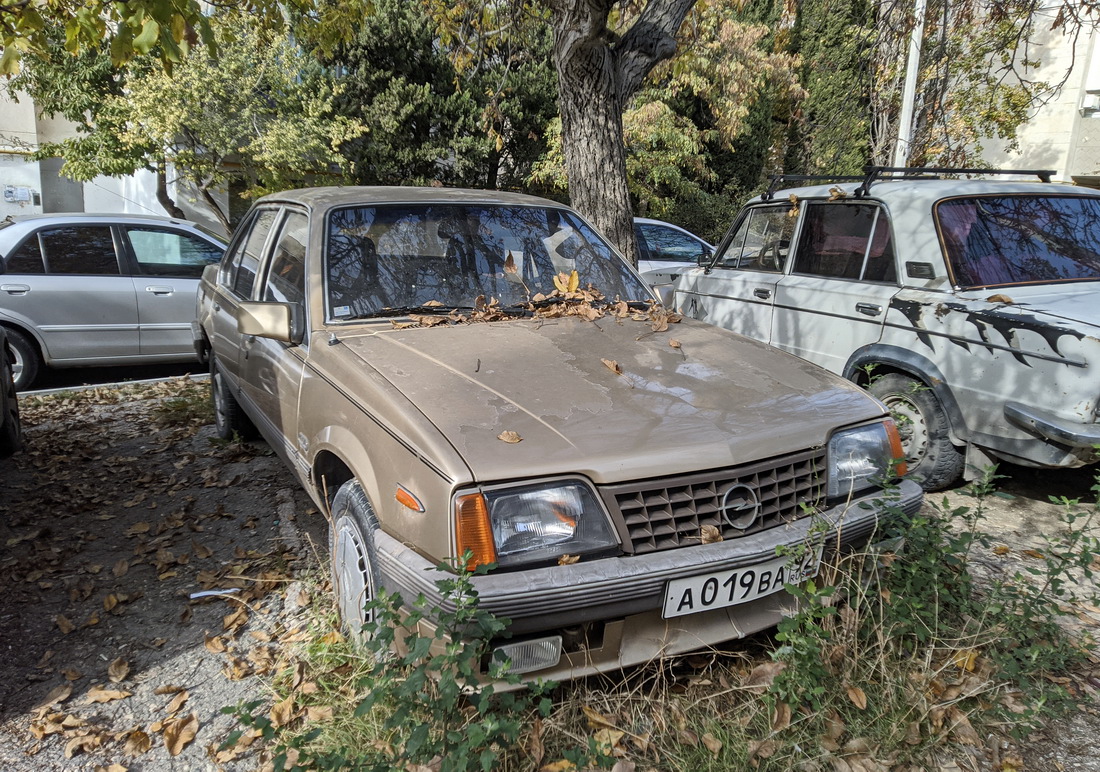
[
  {"x": 911, "y": 427},
  {"x": 352, "y": 575}
]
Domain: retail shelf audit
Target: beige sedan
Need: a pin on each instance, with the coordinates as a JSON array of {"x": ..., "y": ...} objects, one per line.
[{"x": 453, "y": 371}]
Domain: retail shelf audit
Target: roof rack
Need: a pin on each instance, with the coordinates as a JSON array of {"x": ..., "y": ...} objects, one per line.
[
  {"x": 874, "y": 174},
  {"x": 777, "y": 180}
]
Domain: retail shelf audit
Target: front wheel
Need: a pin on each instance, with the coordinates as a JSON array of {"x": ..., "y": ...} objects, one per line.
[
  {"x": 355, "y": 577},
  {"x": 229, "y": 417},
  {"x": 11, "y": 436},
  {"x": 933, "y": 461}
]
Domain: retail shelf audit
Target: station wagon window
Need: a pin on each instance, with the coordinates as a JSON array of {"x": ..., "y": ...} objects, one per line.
[
  {"x": 286, "y": 278},
  {"x": 26, "y": 259},
  {"x": 80, "y": 250},
  {"x": 247, "y": 259},
  {"x": 762, "y": 240},
  {"x": 168, "y": 253},
  {"x": 846, "y": 241}
]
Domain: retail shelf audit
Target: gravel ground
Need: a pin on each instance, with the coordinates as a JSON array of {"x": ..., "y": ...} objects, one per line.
[
  {"x": 108, "y": 524},
  {"x": 112, "y": 520}
]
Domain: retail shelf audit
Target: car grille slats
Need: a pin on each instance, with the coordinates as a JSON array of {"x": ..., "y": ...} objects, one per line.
[{"x": 670, "y": 513}]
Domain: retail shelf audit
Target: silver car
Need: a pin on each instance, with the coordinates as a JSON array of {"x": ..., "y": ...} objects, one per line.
[{"x": 99, "y": 289}]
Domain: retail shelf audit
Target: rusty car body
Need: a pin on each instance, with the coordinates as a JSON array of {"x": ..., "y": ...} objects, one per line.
[{"x": 453, "y": 371}]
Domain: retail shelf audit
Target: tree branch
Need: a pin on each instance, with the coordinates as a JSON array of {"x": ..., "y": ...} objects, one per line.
[{"x": 651, "y": 40}]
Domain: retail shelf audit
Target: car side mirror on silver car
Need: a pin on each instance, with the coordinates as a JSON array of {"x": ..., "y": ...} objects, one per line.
[{"x": 269, "y": 320}]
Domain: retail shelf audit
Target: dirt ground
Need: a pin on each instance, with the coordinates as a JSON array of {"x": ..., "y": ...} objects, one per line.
[{"x": 112, "y": 521}]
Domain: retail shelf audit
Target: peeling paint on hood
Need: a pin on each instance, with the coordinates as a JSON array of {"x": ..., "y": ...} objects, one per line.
[{"x": 718, "y": 400}]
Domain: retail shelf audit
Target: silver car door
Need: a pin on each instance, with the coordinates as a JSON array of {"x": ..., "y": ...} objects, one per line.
[
  {"x": 80, "y": 304},
  {"x": 167, "y": 267}
]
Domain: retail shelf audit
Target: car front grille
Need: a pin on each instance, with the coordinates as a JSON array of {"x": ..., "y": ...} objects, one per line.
[{"x": 669, "y": 513}]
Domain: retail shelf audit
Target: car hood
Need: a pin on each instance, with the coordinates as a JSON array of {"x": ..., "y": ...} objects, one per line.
[
  {"x": 1072, "y": 301},
  {"x": 715, "y": 400}
]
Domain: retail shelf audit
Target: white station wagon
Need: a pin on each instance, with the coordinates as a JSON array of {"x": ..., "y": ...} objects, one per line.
[{"x": 970, "y": 307}]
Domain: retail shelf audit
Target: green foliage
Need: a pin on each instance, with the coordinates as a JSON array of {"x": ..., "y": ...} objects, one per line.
[{"x": 426, "y": 701}]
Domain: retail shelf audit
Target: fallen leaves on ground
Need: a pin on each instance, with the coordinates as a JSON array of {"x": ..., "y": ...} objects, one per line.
[{"x": 179, "y": 732}]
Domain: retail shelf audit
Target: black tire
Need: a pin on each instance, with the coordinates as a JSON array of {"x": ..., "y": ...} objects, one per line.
[
  {"x": 229, "y": 417},
  {"x": 11, "y": 432},
  {"x": 933, "y": 461},
  {"x": 28, "y": 360},
  {"x": 354, "y": 558}
]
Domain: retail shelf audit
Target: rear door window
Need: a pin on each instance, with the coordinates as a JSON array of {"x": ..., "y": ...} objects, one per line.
[
  {"x": 161, "y": 252},
  {"x": 846, "y": 241},
  {"x": 26, "y": 259},
  {"x": 80, "y": 250}
]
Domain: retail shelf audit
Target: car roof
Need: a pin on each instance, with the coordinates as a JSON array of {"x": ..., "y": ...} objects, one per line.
[
  {"x": 95, "y": 216},
  {"x": 330, "y": 197},
  {"x": 923, "y": 193}
]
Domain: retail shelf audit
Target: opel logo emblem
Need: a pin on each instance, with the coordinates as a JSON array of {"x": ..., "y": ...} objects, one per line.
[{"x": 740, "y": 506}]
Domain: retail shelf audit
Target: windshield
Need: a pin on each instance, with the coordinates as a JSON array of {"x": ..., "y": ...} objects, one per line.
[
  {"x": 381, "y": 258},
  {"x": 1020, "y": 239}
]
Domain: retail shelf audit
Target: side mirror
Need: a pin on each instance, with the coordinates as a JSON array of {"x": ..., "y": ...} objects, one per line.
[
  {"x": 269, "y": 320},
  {"x": 704, "y": 258}
]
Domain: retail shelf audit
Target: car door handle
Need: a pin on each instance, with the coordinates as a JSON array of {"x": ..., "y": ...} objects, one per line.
[
  {"x": 15, "y": 289},
  {"x": 763, "y": 294},
  {"x": 162, "y": 291},
  {"x": 869, "y": 309}
]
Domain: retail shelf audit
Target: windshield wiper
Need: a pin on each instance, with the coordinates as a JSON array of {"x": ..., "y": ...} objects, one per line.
[{"x": 385, "y": 313}]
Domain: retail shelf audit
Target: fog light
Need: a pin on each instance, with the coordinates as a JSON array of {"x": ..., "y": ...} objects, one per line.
[{"x": 527, "y": 656}]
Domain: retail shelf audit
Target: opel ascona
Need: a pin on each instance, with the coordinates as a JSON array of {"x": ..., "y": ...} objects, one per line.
[{"x": 453, "y": 371}]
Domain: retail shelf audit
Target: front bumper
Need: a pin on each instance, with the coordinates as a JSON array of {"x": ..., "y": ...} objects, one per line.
[
  {"x": 1055, "y": 428},
  {"x": 626, "y": 593}
]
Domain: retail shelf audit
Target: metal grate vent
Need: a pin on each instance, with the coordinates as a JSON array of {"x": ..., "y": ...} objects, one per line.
[{"x": 670, "y": 513}]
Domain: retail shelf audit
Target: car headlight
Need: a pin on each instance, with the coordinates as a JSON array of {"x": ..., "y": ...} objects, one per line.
[
  {"x": 862, "y": 457},
  {"x": 531, "y": 523}
]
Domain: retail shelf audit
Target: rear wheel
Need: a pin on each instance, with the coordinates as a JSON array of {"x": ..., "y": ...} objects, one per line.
[
  {"x": 229, "y": 417},
  {"x": 11, "y": 435},
  {"x": 933, "y": 461},
  {"x": 355, "y": 577},
  {"x": 27, "y": 359}
]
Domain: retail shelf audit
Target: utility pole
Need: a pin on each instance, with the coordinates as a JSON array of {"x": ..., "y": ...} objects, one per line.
[{"x": 909, "y": 92}]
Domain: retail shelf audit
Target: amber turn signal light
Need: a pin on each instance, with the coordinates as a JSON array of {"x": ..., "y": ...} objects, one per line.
[
  {"x": 472, "y": 530},
  {"x": 406, "y": 497},
  {"x": 896, "y": 450}
]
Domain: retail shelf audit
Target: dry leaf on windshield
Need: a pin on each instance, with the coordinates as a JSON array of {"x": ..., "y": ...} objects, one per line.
[
  {"x": 857, "y": 696},
  {"x": 567, "y": 282},
  {"x": 999, "y": 299},
  {"x": 709, "y": 534},
  {"x": 510, "y": 437},
  {"x": 613, "y": 366},
  {"x": 510, "y": 263},
  {"x": 118, "y": 670},
  {"x": 433, "y": 304},
  {"x": 179, "y": 732},
  {"x": 568, "y": 560}
]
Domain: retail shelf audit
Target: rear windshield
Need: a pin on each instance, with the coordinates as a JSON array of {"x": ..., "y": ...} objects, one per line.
[
  {"x": 399, "y": 256},
  {"x": 1005, "y": 240}
]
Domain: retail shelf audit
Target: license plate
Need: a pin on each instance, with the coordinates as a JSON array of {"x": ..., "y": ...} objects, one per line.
[{"x": 738, "y": 585}]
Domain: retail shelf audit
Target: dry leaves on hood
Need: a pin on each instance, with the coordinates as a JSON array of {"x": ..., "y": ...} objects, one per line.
[
  {"x": 509, "y": 437},
  {"x": 570, "y": 282},
  {"x": 179, "y": 732},
  {"x": 613, "y": 366}
]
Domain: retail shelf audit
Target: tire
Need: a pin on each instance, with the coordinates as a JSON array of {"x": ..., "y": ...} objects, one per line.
[
  {"x": 11, "y": 433},
  {"x": 933, "y": 461},
  {"x": 28, "y": 361},
  {"x": 354, "y": 559},
  {"x": 229, "y": 417}
]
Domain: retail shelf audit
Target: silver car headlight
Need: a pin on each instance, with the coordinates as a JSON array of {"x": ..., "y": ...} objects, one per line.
[
  {"x": 864, "y": 457},
  {"x": 531, "y": 523}
]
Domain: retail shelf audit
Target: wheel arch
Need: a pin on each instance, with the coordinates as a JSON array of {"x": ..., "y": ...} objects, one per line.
[
  {"x": 876, "y": 359},
  {"x": 32, "y": 334}
]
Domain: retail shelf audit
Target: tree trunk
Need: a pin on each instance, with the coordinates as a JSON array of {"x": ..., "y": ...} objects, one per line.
[
  {"x": 597, "y": 77},
  {"x": 162, "y": 193},
  {"x": 216, "y": 210},
  {"x": 592, "y": 143}
]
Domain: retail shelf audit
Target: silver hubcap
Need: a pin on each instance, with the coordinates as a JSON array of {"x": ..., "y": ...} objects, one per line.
[
  {"x": 17, "y": 364},
  {"x": 219, "y": 400},
  {"x": 911, "y": 426},
  {"x": 354, "y": 586}
]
